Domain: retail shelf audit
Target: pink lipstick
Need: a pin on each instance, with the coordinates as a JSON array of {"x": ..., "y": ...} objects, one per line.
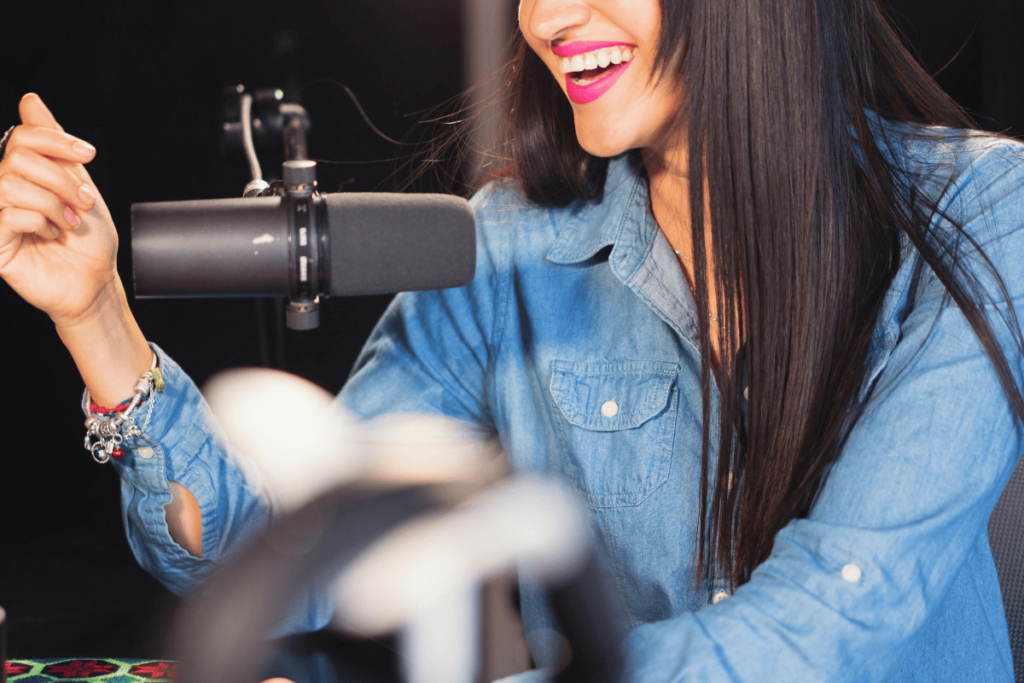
[
  {"x": 578, "y": 47},
  {"x": 581, "y": 93},
  {"x": 585, "y": 94}
]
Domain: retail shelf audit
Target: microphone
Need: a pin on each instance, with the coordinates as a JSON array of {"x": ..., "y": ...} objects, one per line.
[{"x": 302, "y": 245}]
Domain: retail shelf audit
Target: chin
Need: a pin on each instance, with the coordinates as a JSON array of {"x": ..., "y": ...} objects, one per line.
[
  {"x": 600, "y": 146},
  {"x": 606, "y": 137}
]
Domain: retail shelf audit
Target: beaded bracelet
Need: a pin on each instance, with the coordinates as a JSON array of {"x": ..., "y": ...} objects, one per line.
[{"x": 103, "y": 438}]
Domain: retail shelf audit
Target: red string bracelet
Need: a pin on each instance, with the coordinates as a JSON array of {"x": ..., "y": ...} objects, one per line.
[{"x": 100, "y": 410}]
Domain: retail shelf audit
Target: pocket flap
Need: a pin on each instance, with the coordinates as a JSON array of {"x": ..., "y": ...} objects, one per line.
[{"x": 608, "y": 396}]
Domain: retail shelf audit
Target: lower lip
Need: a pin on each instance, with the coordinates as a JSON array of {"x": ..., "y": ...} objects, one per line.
[{"x": 585, "y": 94}]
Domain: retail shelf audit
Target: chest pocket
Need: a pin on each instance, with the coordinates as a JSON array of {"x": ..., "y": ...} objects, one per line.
[{"x": 616, "y": 423}]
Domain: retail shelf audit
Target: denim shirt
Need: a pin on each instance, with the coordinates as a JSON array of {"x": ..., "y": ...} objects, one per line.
[{"x": 576, "y": 344}]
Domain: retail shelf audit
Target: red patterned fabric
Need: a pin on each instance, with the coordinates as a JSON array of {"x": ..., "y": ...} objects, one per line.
[
  {"x": 155, "y": 670},
  {"x": 80, "y": 668},
  {"x": 17, "y": 668},
  {"x": 90, "y": 670}
]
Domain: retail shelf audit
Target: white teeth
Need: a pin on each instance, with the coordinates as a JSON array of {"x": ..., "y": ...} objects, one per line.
[{"x": 595, "y": 58}]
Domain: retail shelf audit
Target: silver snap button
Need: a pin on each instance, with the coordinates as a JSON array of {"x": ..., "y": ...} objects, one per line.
[
  {"x": 610, "y": 409},
  {"x": 719, "y": 596},
  {"x": 851, "y": 573},
  {"x": 145, "y": 452}
]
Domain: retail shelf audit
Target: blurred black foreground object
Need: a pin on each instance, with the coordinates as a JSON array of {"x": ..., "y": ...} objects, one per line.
[
  {"x": 328, "y": 657},
  {"x": 362, "y": 533}
]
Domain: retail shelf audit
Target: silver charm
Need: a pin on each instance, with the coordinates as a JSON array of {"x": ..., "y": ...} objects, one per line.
[
  {"x": 109, "y": 428},
  {"x": 92, "y": 426},
  {"x": 144, "y": 384},
  {"x": 99, "y": 453},
  {"x": 103, "y": 437}
]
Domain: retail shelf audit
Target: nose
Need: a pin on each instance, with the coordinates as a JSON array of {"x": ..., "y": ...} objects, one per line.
[{"x": 549, "y": 20}]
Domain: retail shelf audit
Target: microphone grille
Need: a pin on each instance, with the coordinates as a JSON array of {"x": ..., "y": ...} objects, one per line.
[{"x": 382, "y": 243}]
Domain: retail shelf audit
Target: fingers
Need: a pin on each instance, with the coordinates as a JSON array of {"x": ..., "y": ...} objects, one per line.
[
  {"x": 41, "y": 169},
  {"x": 51, "y": 176},
  {"x": 41, "y": 133},
  {"x": 18, "y": 193},
  {"x": 35, "y": 113},
  {"x": 25, "y": 222},
  {"x": 51, "y": 143},
  {"x": 42, "y": 172}
]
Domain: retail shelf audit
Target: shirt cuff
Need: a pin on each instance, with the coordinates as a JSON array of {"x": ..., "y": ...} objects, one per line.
[{"x": 178, "y": 443}]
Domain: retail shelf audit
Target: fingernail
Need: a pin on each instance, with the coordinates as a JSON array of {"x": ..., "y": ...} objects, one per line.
[
  {"x": 83, "y": 148},
  {"x": 70, "y": 217},
  {"x": 86, "y": 195}
]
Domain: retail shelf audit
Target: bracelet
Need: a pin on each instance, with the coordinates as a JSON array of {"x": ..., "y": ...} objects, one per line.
[
  {"x": 100, "y": 410},
  {"x": 103, "y": 437}
]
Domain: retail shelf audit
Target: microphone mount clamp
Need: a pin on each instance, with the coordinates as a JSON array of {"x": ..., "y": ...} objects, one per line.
[{"x": 264, "y": 117}]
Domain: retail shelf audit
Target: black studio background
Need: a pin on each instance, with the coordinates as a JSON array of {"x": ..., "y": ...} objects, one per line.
[{"x": 142, "y": 81}]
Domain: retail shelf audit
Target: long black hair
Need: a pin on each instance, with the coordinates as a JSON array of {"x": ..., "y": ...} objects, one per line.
[{"x": 807, "y": 212}]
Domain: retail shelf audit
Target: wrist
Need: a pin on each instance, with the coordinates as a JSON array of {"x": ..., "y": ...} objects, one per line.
[
  {"x": 108, "y": 306},
  {"x": 107, "y": 346}
]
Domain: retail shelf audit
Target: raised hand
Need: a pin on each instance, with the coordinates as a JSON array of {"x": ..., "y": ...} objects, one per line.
[
  {"x": 58, "y": 244},
  {"x": 58, "y": 250}
]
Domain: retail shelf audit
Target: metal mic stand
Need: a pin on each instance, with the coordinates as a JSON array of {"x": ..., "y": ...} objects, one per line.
[{"x": 274, "y": 118}]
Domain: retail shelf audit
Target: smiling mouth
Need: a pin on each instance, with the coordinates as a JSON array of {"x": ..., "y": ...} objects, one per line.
[{"x": 588, "y": 67}]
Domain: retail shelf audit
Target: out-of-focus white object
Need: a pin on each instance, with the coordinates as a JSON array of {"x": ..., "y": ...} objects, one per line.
[
  {"x": 411, "y": 449},
  {"x": 303, "y": 443},
  {"x": 442, "y": 643},
  {"x": 424, "y": 578},
  {"x": 533, "y": 524}
]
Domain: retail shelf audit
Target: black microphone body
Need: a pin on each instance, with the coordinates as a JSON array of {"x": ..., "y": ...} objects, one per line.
[{"x": 302, "y": 245}]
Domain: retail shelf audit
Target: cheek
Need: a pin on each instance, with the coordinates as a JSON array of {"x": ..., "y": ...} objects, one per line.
[
  {"x": 657, "y": 105},
  {"x": 642, "y": 16}
]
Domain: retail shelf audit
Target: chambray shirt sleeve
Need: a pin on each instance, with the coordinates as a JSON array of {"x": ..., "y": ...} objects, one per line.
[
  {"x": 180, "y": 443},
  {"x": 433, "y": 352},
  {"x": 905, "y": 503}
]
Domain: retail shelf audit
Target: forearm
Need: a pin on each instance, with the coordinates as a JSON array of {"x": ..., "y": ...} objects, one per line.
[
  {"x": 184, "y": 520},
  {"x": 108, "y": 347}
]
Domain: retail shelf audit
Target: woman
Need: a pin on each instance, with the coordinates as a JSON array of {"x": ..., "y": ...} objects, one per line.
[{"x": 738, "y": 286}]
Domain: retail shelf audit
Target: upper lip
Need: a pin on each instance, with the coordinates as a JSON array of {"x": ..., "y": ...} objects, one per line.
[{"x": 578, "y": 47}]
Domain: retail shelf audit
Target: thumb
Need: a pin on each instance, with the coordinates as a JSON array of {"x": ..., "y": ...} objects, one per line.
[{"x": 34, "y": 113}]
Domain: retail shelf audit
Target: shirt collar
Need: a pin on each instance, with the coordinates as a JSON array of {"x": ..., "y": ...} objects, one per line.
[{"x": 620, "y": 218}]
